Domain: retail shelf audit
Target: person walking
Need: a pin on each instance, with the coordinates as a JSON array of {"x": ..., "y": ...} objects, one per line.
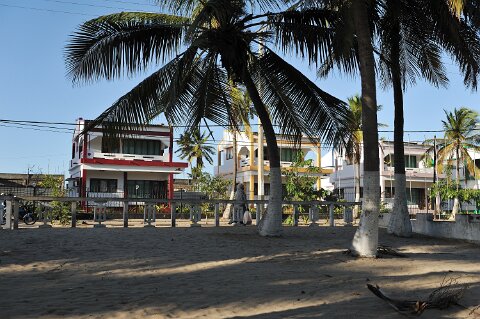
[{"x": 239, "y": 207}]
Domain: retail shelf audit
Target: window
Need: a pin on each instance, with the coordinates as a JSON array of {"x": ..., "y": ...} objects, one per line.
[
  {"x": 410, "y": 161},
  {"x": 228, "y": 153},
  {"x": 147, "y": 189},
  {"x": 142, "y": 147},
  {"x": 103, "y": 185},
  {"x": 73, "y": 150},
  {"x": 110, "y": 145},
  {"x": 288, "y": 154},
  {"x": 265, "y": 153}
]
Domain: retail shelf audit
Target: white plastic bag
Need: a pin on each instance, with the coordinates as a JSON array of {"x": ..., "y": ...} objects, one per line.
[{"x": 247, "y": 218}]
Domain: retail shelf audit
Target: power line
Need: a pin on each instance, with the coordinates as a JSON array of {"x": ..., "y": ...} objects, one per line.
[
  {"x": 46, "y": 10},
  {"x": 89, "y": 5},
  {"x": 34, "y": 129},
  {"x": 210, "y": 125},
  {"x": 130, "y": 2}
]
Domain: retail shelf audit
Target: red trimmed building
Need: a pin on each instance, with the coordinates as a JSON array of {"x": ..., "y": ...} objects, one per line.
[{"x": 137, "y": 166}]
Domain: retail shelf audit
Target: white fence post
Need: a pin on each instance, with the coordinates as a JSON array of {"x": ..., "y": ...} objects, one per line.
[
  {"x": 217, "y": 218},
  {"x": 16, "y": 205},
  {"x": 258, "y": 213},
  {"x": 2, "y": 209},
  {"x": 148, "y": 215},
  {"x": 8, "y": 215},
  {"x": 195, "y": 215},
  {"x": 73, "y": 210},
  {"x": 99, "y": 215},
  {"x": 348, "y": 216},
  {"x": 125, "y": 214},
  {"x": 313, "y": 215},
  {"x": 173, "y": 214},
  {"x": 295, "y": 215},
  {"x": 45, "y": 218},
  {"x": 332, "y": 217}
]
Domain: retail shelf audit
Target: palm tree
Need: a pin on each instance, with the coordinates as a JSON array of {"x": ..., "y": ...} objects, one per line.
[
  {"x": 460, "y": 135},
  {"x": 218, "y": 44},
  {"x": 411, "y": 46},
  {"x": 194, "y": 146},
  {"x": 353, "y": 149}
]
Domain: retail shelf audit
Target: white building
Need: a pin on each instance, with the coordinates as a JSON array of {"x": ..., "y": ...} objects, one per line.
[
  {"x": 419, "y": 174},
  {"x": 140, "y": 165},
  {"x": 248, "y": 161}
]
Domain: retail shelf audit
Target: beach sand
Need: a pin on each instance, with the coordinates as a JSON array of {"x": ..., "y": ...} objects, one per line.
[{"x": 225, "y": 272}]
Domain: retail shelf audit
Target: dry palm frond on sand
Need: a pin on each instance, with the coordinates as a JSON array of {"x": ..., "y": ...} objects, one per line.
[{"x": 447, "y": 294}]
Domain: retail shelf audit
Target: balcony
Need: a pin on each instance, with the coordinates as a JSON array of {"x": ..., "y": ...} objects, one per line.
[
  {"x": 128, "y": 157},
  {"x": 246, "y": 163},
  {"x": 420, "y": 172}
]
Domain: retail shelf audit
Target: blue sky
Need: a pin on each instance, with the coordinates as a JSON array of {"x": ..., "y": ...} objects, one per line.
[{"x": 34, "y": 86}]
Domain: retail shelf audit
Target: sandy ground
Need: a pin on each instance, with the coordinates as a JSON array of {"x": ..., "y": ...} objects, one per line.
[{"x": 226, "y": 272}]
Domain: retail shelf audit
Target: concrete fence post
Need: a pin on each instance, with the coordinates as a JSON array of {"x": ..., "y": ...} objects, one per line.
[
  {"x": 295, "y": 215},
  {"x": 148, "y": 215},
  {"x": 217, "y": 218},
  {"x": 125, "y": 214},
  {"x": 2, "y": 209},
  {"x": 173, "y": 214},
  {"x": 16, "y": 206},
  {"x": 332, "y": 216},
  {"x": 313, "y": 215},
  {"x": 99, "y": 215},
  {"x": 258, "y": 213},
  {"x": 73, "y": 210},
  {"x": 8, "y": 215}
]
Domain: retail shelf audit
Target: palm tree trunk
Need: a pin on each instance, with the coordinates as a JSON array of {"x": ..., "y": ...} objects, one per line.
[
  {"x": 271, "y": 223},
  {"x": 227, "y": 213},
  {"x": 365, "y": 241},
  {"x": 456, "y": 202},
  {"x": 399, "y": 224}
]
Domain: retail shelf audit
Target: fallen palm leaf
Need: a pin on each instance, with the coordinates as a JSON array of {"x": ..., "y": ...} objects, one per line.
[{"x": 449, "y": 293}]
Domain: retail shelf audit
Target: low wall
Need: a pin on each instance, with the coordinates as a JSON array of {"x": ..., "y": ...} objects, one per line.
[{"x": 466, "y": 227}]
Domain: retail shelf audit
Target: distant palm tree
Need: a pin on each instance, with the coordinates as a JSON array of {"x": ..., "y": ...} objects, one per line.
[
  {"x": 219, "y": 43},
  {"x": 354, "y": 146},
  {"x": 194, "y": 146},
  {"x": 353, "y": 150},
  {"x": 460, "y": 135}
]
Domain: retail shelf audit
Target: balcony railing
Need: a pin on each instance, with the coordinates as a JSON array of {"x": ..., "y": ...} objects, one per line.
[
  {"x": 246, "y": 163},
  {"x": 130, "y": 157}
]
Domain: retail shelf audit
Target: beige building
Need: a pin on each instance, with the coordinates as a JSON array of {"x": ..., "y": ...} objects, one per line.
[{"x": 249, "y": 167}]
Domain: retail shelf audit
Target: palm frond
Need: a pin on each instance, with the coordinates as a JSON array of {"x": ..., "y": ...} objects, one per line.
[
  {"x": 296, "y": 104},
  {"x": 107, "y": 46}
]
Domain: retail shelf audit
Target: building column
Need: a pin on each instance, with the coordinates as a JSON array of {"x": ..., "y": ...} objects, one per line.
[
  {"x": 83, "y": 187},
  {"x": 252, "y": 187}
]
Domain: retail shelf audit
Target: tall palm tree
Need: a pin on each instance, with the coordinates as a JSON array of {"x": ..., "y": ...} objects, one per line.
[
  {"x": 218, "y": 45},
  {"x": 410, "y": 46},
  {"x": 194, "y": 146},
  {"x": 461, "y": 135}
]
